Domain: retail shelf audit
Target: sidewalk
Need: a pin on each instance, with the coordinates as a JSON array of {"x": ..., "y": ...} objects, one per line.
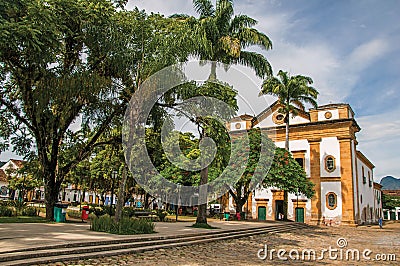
[{"x": 14, "y": 236}]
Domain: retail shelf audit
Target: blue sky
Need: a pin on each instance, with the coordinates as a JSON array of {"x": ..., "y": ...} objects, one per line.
[{"x": 351, "y": 49}]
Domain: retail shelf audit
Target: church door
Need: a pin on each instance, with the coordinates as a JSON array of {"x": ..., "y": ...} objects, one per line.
[
  {"x": 262, "y": 213},
  {"x": 300, "y": 215}
]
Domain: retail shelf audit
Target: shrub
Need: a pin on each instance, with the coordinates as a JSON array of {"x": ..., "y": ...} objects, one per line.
[
  {"x": 161, "y": 214},
  {"x": 128, "y": 211},
  {"x": 109, "y": 210},
  {"x": 126, "y": 226},
  {"x": 74, "y": 214},
  {"x": 98, "y": 211},
  {"x": 29, "y": 211},
  {"x": 5, "y": 211}
]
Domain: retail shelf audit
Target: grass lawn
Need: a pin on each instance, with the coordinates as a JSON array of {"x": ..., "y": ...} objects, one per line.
[{"x": 23, "y": 219}]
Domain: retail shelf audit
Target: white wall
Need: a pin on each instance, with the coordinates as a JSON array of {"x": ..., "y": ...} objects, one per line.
[
  {"x": 336, "y": 188},
  {"x": 242, "y": 125},
  {"x": 268, "y": 122},
  {"x": 299, "y": 145},
  {"x": 330, "y": 146},
  {"x": 334, "y": 112},
  {"x": 365, "y": 192}
]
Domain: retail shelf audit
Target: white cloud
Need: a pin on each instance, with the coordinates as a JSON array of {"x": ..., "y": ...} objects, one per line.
[
  {"x": 366, "y": 53},
  {"x": 379, "y": 141}
]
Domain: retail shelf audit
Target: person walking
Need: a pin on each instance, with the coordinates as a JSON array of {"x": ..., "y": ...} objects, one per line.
[{"x": 380, "y": 222}]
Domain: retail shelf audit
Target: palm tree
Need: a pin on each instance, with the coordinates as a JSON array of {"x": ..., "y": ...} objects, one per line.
[
  {"x": 292, "y": 92},
  {"x": 220, "y": 36}
]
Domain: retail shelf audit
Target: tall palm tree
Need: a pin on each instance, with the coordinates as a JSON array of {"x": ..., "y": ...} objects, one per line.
[
  {"x": 292, "y": 92},
  {"x": 220, "y": 36}
]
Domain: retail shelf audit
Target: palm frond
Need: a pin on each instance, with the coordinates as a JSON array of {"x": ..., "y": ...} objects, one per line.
[
  {"x": 204, "y": 8},
  {"x": 250, "y": 36},
  {"x": 242, "y": 21},
  {"x": 223, "y": 15},
  {"x": 257, "y": 62}
]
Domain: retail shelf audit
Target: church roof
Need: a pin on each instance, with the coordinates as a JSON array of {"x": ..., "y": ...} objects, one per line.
[
  {"x": 18, "y": 163},
  {"x": 273, "y": 107}
]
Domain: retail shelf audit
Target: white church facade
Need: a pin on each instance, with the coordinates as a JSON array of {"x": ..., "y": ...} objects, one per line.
[{"x": 323, "y": 141}]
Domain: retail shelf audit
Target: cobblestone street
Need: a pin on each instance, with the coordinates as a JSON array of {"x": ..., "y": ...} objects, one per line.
[{"x": 244, "y": 251}]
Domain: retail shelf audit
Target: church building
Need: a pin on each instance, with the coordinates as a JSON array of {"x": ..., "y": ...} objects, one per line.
[{"x": 323, "y": 141}]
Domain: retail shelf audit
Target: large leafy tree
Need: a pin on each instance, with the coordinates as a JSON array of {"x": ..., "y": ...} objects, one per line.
[
  {"x": 286, "y": 174},
  {"x": 65, "y": 61},
  {"x": 260, "y": 150},
  {"x": 292, "y": 92}
]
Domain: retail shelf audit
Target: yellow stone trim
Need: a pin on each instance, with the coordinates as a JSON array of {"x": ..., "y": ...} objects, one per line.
[{"x": 276, "y": 120}]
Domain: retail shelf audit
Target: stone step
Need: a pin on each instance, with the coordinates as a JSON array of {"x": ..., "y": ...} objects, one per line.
[{"x": 63, "y": 253}]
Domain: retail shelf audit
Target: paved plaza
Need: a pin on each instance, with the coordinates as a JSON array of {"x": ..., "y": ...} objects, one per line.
[
  {"x": 244, "y": 251},
  {"x": 15, "y": 236}
]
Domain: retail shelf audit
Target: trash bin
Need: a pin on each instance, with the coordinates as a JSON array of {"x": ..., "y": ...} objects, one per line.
[
  {"x": 238, "y": 216},
  {"x": 226, "y": 216},
  {"x": 85, "y": 213},
  {"x": 60, "y": 212},
  {"x": 195, "y": 212}
]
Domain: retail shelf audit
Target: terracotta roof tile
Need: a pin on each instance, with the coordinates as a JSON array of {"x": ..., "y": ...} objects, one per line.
[{"x": 3, "y": 176}]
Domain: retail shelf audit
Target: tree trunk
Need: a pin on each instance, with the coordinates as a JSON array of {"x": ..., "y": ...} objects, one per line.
[
  {"x": 121, "y": 198},
  {"x": 202, "y": 213},
  {"x": 285, "y": 205},
  {"x": 287, "y": 134},
  {"x": 51, "y": 198},
  {"x": 213, "y": 74}
]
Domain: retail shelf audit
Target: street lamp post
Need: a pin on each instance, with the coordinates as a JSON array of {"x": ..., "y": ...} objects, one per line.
[{"x": 177, "y": 202}]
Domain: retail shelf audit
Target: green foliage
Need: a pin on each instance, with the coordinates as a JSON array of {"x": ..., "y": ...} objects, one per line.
[
  {"x": 126, "y": 226},
  {"x": 74, "y": 214},
  {"x": 6, "y": 211},
  {"x": 128, "y": 212},
  {"x": 98, "y": 211},
  {"x": 390, "y": 202},
  {"x": 161, "y": 214},
  {"x": 286, "y": 174},
  {"x": 29, "y": 211},
  {"x": 47, "y": 84},
  {"x": 292, "y": 93},
  {"x": 257, "y": 163},
  {"x": 221, "y": 36}
]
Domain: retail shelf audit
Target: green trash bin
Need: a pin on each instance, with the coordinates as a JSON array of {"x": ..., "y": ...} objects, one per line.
[
  {"x": 226, "y": 216},
  {"x": 60, "y": 212},
  {"x": 195, "y": 212}
]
